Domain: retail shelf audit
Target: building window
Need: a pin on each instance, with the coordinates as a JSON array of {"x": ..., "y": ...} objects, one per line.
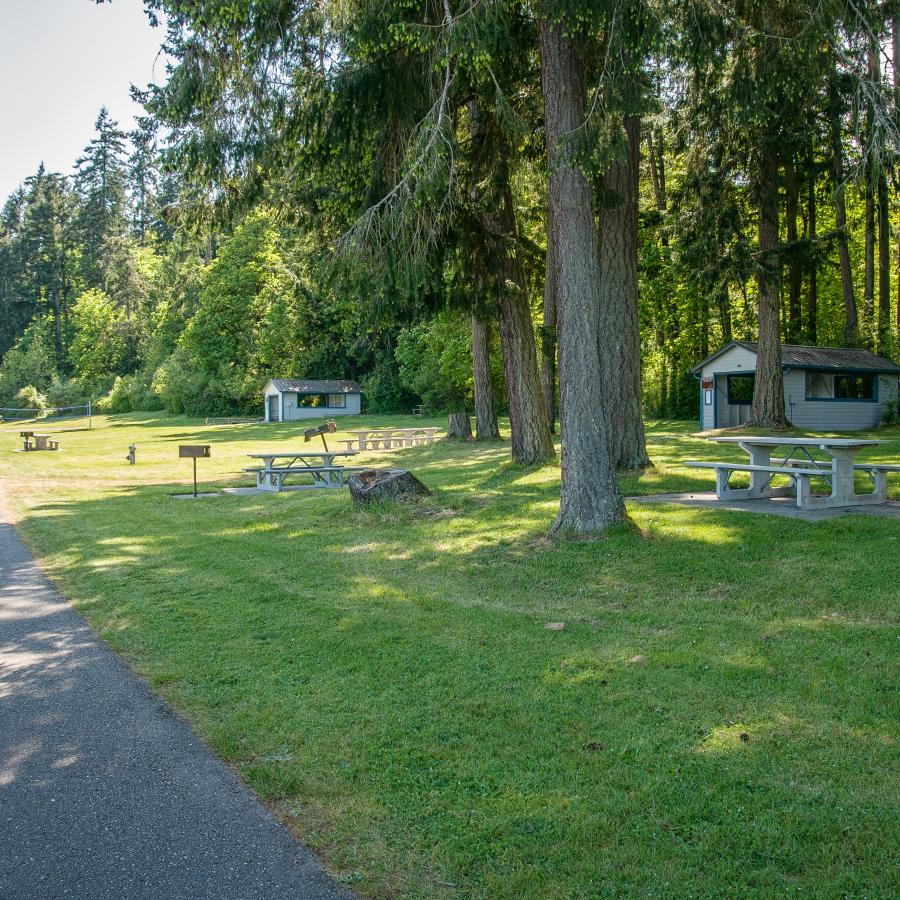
[
  {"x": 819, "y": 386},
  {"x": 840, "y": 386},
  {"x": 337, "y": 401},
  {"x": 312, "y": 400},
  {"x": 740, "y": 389}
]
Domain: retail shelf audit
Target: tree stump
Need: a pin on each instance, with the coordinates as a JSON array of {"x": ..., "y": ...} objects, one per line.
[
  {"x": 385, "y": 484},
  {"x": 459, "y": 425}
]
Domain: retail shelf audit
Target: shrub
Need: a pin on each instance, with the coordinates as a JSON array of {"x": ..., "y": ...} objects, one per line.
[
  {"x": 65, "y": 392},
  {"x": 891, "y": 414},
  {"x": 118, "y": 400},
  {"x": 384, "y": 392},
  {"x": 435, "y": 362},
  {"x": 29, "y": 397},
  {"x": 28, "y": 364},
  {"x": 177, "y": 383}
]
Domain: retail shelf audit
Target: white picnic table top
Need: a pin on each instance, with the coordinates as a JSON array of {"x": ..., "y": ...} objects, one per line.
[
  {"x": 328, "y": 456},
  {"x": 766, "y": 441},
  {"x": 389, "y": 431},
  {"x": 296, "y": 453}
]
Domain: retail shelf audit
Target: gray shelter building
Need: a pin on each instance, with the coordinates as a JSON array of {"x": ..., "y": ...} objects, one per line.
[
  {"x": 825, "y": 388},
  {"x": 289, "y": 399}
]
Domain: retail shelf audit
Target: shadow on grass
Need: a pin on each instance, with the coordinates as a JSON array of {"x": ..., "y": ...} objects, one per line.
[{"x": 395, "y": 671}]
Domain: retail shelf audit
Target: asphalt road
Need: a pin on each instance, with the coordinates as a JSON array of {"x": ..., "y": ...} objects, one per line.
[{"x": 104, "y": 792}]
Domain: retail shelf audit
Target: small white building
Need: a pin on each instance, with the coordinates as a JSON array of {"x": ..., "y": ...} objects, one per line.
[
  {"x": 825, "y": 388},
  {"x": 289, "y": 399}
]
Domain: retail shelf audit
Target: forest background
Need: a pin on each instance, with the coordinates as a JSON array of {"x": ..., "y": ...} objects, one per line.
[{"x": 184, "y": 264}]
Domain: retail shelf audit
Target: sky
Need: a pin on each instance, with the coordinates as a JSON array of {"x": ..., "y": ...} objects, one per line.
[{"x": 60, "y": 61}]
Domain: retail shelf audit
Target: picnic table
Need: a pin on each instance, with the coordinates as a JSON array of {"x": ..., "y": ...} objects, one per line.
[
  {"x": 798, "y": 464},
  {"x": 319, "y": 464},
  {"x": 389, "y": 438},
  {"x": 33, "y": 441}
]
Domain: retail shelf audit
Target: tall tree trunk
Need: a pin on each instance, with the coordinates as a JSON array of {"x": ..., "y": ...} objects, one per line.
[
  {"x": 869, "y": 175},
  {"x": 851, "y": 322},
  {"x": 528, "y": 422},
  {"x": 459, "y": 425},
  {"x": 658, "y": 175},
  {"x": 548, "y": 331},
  {"x": 767, "y": 410},
  {"x": 57, "y": 333},
  {"x": 619, "y": 338},
  {"x": 884, "y": 262},
  {"x": 590, "y": 500},
  {"x": 795, "y": 273},
  {"x": 812, "y": 296},
  {"x": 895, "y": 36},
  {"x": 869, "y": 255},
  {"x": 486, "y": 428},
  {"x": 724, "y": 307}
]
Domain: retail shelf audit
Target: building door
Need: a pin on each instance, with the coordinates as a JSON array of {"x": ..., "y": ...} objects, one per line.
[{"x": 273, "y": 408}]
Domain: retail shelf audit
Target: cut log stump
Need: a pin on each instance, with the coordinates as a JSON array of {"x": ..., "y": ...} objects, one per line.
[{"x": 385, "y": 484}]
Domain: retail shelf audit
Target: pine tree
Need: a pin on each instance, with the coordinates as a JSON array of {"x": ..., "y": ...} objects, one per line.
[
  {"x": 47, "y": 240},
  {"x": 143, "y": 178},
  {"x": 100, "y": 180}
]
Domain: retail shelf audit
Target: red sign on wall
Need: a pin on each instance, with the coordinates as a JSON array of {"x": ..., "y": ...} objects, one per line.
[{"x": 707, "y": 384}]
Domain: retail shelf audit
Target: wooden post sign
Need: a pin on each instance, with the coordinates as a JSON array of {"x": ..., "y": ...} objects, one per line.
[{"x": 194, "y": 452}]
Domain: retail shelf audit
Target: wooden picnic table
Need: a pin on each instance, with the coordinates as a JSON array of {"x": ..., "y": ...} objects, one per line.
[
  {"x": 798, "y": 464},
  {"x": 319, "y": 464},
  {"x": 389, "y": 438}
]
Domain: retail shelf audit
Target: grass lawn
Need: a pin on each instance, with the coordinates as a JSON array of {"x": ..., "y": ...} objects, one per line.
[{"x": 718, "y": 717}]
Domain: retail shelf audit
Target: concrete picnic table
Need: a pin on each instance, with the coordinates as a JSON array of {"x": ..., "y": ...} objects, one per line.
[
  {"x": 800, "y": 466},
  {"x": 41, "y": 441},
  {"x": 389, "y": 438},
  {"x": 320, "y": 464}
]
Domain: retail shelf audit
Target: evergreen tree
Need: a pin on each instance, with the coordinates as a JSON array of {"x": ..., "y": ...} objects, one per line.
[
  {"x": 100, "y": 180},
  {"x": 47, "y": 243},
  {"x": 143, "y": 178}
]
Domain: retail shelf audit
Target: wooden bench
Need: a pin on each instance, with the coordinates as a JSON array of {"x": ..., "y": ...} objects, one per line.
[{"x": 799, "y": 476}]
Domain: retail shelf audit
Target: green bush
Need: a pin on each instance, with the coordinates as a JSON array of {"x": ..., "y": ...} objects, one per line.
[
  {"x": 29, "y": 397},
  {"x": 28, "y": 364},
  {"x": 891, "y": 414},
  {"x": 65, "y": 392},
  {"x": 118, "y": 400},
  {"x": 384, "y": 392},
  {"x": 177, "y": 383},
  {"x": 435, "y": 363}
]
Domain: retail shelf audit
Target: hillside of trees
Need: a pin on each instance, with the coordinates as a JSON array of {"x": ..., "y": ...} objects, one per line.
[{"x": 539, "y": 209}]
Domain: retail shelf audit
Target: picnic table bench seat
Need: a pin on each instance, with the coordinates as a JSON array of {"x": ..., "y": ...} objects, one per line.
[
  {"x": 799, "y": 476},
  {"x": 799, "y": 473},
  {"x": 826, "y": 467}
]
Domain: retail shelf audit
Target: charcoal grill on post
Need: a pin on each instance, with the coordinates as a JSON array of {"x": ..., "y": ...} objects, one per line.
[
  {"x": 194, "y": 452},
  {"x": 321, "y": 431}
]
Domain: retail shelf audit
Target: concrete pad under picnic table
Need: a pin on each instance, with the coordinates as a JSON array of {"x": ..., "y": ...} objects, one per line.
[{"x": 774, "y": 506}]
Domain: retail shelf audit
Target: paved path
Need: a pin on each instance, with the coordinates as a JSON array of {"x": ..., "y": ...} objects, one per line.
[{"x": 103, "y": 791}]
